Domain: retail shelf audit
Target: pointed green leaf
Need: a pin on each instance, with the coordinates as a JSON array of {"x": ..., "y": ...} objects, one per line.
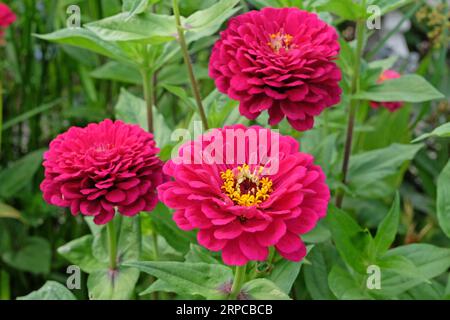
[
  {"x": 443, "y": 199},
  {"x": 108, "y": 285},
  {"x": 196, "y": 279},
  {"x": 146, "y": 27},
  {"x": 441, "y": 132},
  {"x": 408, "y": 88},
  {"x": 79, "y": 252},
  {"x": 51, "y": 290},
  {"x": 7, "y": 211},
  {"x": 352, "y": 242},
  {"x": 263, "y": 289},
  {"x": 387, "y": 230},
  {"x": 383, "y": 163},
  {"x": 33, "y": 255},
  {"x": 19, "y": 174},
  {"x": 321, "y": 258},
  {"x": 85, "y": 39}
]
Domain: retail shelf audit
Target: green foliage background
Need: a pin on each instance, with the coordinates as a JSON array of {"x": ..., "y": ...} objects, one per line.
[{"x": 396, "y": 212}]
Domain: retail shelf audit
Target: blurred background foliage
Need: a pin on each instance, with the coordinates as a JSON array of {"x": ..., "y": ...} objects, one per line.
[{"x": 50, "y": 87}]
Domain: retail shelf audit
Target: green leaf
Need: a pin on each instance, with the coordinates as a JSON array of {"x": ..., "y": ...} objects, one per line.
[
  {"x": 284, "y": 274},
  {"x": 346, "y": 9},
  {"x": 196, "y": 279},
  {"x": 19, "y": 174},
  {"x": 31, "y": 113},
  {"x": 389, "y": 5},
  {"x": 387, "y": 230},
  {"x": 116, "y": 71},
  {"x": 158, "y": 286},
  {"x": 199, "y": 254},
  {"x": 383, "y": 64},
  {"x": 7, "y": 211},
  {"x": 408, "y": 88},
  {"x": 447, "y": 289},
  {"x": 146, "y": 27},
  {"x": 443, "y": 199},
  {"x": 79, "y": 252},
  {"x": 128, "y": 243},
  {"x": 401, "y": 265},
  {"x": 321, "y": 259},
  {"x": 132, "y": 109},
  {"x": 352, "y": 242},
  {"x": 441, "y": 132},
  {"x": 345, "y": 287},
  {"x": 51, "y": 290},
  {"x": 107, "y": 285},
  {"x": 34, "y": 256},
  {"x": 134, "y": 7},
  {"x": 425, "y": 291},
  {"x": 383, "y": 163},
  {"x": 178, "y": 239},
  {"x": 317, "y": 235},
  {"x": 263, "y": 289},
  {"x": 181, "y": 94},
  {"x": 429, "y": 260},
  {"x": 86, "y": 39},
  {"x": 206, "y": 22}
]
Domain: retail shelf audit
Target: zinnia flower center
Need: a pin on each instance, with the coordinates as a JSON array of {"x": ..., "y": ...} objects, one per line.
[
  {"x": 246, "y": 187},
  {"x": 280, "y": 40}
]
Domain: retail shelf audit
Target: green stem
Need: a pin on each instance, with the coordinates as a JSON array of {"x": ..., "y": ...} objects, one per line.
[
  {"x": 360, "y": 32},
  {"x": 112, "y": 245},
  {"x": 1, "y": 114},
  {"x": 147, "y": 79},
  {"x": 188, "y": 62},
  {"x": 271, "y": 255},
  {"x": 5, "y": 293},
  {"x": 155, "y": 245},
  {"x": 239, "y": 280}
]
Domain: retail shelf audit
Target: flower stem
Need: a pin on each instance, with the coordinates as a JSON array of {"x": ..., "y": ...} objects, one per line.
[
  {"x": 155, "y": 245},
  {"x": 360, "y": 31},
  {"x": 112, "y": 245},
  {"x": 188, "y": 62},
  {"x": 5, "y": 291},
  {"x": 147, "y": 80},
  {"x": 1, "y": 114},
  {"x": 239, "y": 280}
]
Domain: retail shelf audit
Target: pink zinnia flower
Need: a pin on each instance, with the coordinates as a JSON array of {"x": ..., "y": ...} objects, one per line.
[
  {"x": 246, "y": 201},
  {"x": 103, "y": 167},
  {"x": 279, "y": 60},
  {"x": 6, "y": 18},
  {"x": 391, "y": 106}
]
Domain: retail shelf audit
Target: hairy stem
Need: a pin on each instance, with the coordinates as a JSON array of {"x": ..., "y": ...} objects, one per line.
[
  {"x": 239, "y": 280},
  {"x": 360, "y": 31},
  {"x": 188, "y": 62}
]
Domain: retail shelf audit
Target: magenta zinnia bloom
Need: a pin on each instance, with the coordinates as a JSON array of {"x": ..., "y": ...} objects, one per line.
[
  {"x": 6, "y": 18},
  {"x": 391, "y": 106},
  {"x": 103, "y": 167},
  {"x": 246, "y": 200},
  {"x": 279, "y": 60}
]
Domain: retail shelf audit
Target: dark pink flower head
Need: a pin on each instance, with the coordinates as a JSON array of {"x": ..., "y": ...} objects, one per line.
[
  {"x": 103, "y": 167},
  {"x": 279, "y": 60},
  {"x": 245, "y": 190},
  {"x": 391, "y": 106},
  {"x": 6, "y": 18}
]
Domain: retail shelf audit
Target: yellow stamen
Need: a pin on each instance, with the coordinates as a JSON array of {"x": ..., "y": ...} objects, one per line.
[
  {"x": 280, "y": 40},
  {"x": 261, "y": 187}
]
